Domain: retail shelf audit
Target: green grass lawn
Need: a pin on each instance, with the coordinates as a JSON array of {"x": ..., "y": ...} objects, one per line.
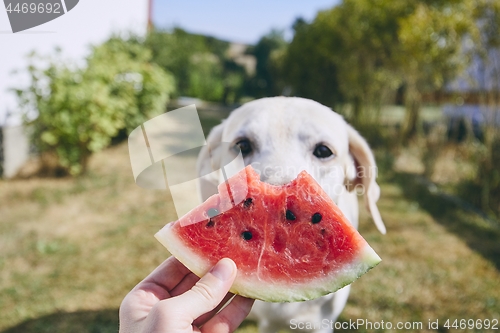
[{"x": 70, "y": 249}]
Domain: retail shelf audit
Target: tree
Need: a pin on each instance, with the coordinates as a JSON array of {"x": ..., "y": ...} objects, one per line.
[
  {"x": 361, "y": 51},
  {"x": 174, "y": 51},
  {"x": 343, "y": 56},
  {"x": 199, "y": 63},
  {"x": 79, "y": 110},
  {"x": 268, "y": 52},
  {"x": 431, "y": 50},
  {"x": 308, "y": 67},
  {"x": 205, "y": 77}
]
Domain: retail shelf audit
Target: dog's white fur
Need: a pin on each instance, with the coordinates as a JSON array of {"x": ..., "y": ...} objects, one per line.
[{"x": 284, "y": 132}]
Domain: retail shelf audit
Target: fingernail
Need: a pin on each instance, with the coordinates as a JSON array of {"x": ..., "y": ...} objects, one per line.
[{"x": 224, "y": 269}]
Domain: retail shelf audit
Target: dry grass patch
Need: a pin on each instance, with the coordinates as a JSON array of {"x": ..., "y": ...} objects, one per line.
[
  {"x": 427, "y": 272},
  {"x": 72, "y": 248},
  {"x": 77, "y": 244}
]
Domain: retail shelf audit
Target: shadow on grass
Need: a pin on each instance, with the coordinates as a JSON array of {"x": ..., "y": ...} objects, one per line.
[
  {"x": 481, "y": 237},
  {"x": 102, "y": 321}
]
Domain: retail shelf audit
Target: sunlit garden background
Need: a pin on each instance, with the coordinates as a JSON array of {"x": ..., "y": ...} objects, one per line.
[{"x": 419, "y": 79}]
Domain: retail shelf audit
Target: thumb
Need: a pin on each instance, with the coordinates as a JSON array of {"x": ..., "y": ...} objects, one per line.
[{"x": 209, "y": 291}]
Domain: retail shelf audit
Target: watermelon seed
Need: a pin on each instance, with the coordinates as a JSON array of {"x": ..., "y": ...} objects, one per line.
[
  {"x": 212, "y": 212},
  {"x": 290, "y": 215},
  {"x": 248, "y": 202},
  {"x": 316, "y": 218},
  {"x": 247, "y": 235},
  {"x": 210, "y": 224}
]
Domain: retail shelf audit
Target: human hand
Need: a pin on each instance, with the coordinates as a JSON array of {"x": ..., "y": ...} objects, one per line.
[{"x": 173, "y": 299}]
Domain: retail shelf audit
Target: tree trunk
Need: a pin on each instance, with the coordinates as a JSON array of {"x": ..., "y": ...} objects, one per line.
[
  {"x": 413, "y": 106},
  {"x": 84, "y": 162}
]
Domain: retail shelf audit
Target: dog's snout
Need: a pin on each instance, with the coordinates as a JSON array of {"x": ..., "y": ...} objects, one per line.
[{"x": 278, "y": 175}]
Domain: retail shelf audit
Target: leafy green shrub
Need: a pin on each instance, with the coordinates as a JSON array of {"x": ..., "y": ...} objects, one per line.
[{"x": 79, "y": 110}]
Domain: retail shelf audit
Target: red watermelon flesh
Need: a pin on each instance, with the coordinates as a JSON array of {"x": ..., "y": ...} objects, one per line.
[{"x": 290, "y": 243}]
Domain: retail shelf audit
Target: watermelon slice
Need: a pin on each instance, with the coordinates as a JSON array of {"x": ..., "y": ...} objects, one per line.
[{"x": 290, "y": 243}]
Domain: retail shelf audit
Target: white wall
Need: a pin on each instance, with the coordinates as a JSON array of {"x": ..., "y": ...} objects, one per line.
[
  {"x": 15, "y": 149},
  {"x": 90, "y": 22}
]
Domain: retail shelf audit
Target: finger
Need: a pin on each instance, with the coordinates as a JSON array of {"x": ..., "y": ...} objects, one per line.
[
  {"x": 207, "y": 293},
  {"x": 187, "y": 283},
  {"x": 155, "y": 287},
  {"x": 164, "y": 278},
  {"x": 205, "y": 317},
  {"x": 230, "y": 317}
]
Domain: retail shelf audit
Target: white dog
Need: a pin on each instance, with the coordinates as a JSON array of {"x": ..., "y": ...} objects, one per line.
[{"x": 280, "y": 137}]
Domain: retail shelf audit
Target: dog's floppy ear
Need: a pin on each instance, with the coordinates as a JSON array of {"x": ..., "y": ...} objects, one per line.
[
  {"x": 365, "y": 174},
  {"x": 208, "y": 162}
]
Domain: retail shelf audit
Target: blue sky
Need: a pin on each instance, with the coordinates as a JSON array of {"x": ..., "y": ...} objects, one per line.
[{"x": 235, "y": 20}]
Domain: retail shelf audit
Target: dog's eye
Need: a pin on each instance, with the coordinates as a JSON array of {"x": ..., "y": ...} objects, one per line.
[
  {"x": 322, "y": 151},
  {"x": 245, "y": 146}
]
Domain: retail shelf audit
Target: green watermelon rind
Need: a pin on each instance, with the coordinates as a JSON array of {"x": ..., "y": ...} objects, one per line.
[{"x": 251, "y": 286}]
